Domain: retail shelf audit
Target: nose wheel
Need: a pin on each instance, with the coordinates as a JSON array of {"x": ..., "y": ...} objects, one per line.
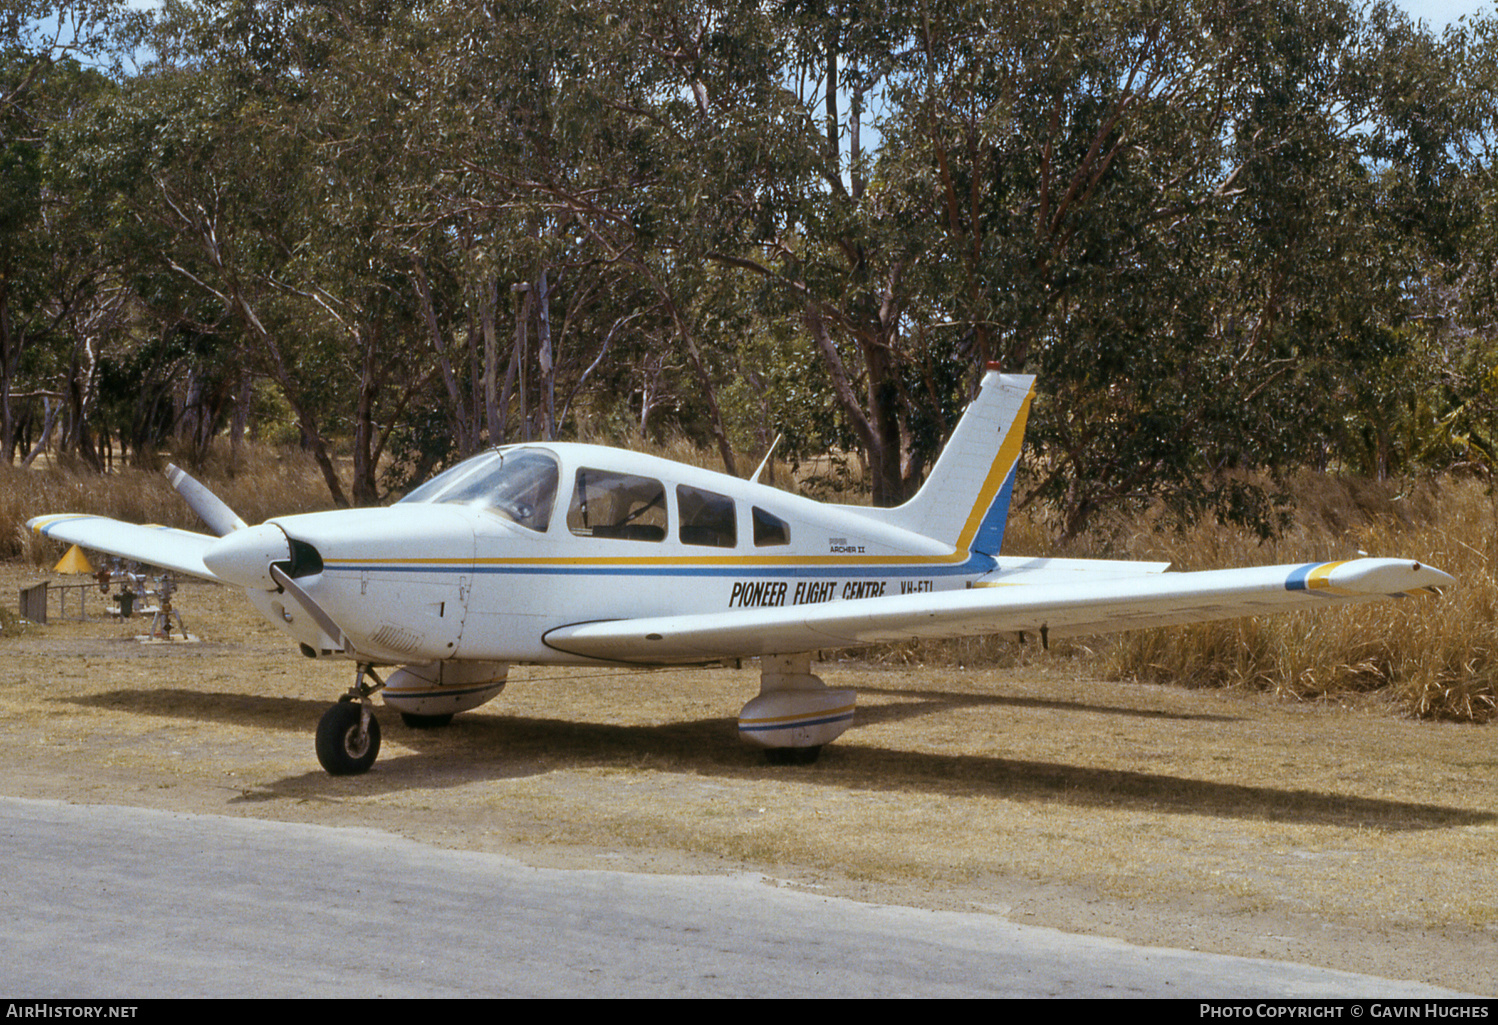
[{"x": 348, "y": 736}]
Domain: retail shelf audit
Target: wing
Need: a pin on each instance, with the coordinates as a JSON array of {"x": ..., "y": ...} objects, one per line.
[
  {"x": 1100, "y": 605},
  {"x": 167, "y": 547}
]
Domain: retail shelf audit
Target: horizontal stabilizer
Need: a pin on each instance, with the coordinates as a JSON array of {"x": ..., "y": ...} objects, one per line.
[
  {"x": 1078, "y": 604},
  {"x": 166, "y": 547}
]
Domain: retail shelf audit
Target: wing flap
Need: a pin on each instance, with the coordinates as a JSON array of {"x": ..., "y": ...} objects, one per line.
[
  {"x": 167, "y": 547},
  {"x": 1009, "y": 569},
  {"x": 1071, "y": 608}
]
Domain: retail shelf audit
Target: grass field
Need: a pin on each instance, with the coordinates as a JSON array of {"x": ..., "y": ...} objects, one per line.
[
  {"x": 1314, "y": 787},
  {"x": 1329, "y": 831}
]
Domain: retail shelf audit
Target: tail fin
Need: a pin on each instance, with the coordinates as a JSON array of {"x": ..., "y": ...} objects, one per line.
[{"x": 965, "y": 500}]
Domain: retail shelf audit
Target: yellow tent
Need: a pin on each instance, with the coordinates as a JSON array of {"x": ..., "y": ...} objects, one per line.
[{"x": 73, "y": 562}]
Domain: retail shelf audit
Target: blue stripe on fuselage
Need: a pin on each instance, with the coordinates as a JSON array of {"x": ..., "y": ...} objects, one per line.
[{"x": 976, "y": 564}]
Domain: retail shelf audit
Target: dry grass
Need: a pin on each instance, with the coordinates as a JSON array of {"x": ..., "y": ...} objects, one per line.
[
  {"x": 1434, "y": 659},
  {"x": 266, "y": 483},
  {"x": 1427, "y": 658}
]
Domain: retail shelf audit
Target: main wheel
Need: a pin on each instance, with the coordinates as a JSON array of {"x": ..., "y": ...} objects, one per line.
[
  {"x": 792, "y": 755},
  {"x": 342, "y": 748}
]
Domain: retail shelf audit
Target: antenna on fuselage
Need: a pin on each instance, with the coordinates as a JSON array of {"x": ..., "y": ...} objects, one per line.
[{"x": 766, "y": 461}]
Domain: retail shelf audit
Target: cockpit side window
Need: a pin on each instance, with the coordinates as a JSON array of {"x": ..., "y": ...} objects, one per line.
[
  {"x": 770, "y": 529},
  {"x": 706, "y": 518},
  {"x": 518, "y": 485},
  {"x": 617, "y": 505}
]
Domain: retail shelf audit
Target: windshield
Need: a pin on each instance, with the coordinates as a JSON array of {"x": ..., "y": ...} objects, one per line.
[{"x": 520, "y": 485}]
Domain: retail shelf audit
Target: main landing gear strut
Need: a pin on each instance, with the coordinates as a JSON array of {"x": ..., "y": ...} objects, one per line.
[{"x": 348, "y": 737}]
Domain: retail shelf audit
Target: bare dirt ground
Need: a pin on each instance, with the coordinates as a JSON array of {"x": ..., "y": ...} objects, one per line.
[{"x": 1334, "y": 835}]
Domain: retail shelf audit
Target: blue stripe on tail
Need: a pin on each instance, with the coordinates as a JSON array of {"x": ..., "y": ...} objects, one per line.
[{"x": 990, "y": 536}]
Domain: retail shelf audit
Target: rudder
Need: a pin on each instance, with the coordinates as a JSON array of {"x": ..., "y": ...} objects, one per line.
[{"x": 965, "y": 500}]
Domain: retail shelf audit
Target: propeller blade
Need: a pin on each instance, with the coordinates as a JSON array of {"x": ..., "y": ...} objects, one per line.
[
  {"x": 319, "y": 615},
  {"x": 210, "y": 508}
]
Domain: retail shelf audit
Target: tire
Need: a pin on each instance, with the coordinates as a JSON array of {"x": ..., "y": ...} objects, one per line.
[
  {"x": 792, "y": 755},
  {"x": 338, "y": 743},
  {"x": 425, "y": 722}
]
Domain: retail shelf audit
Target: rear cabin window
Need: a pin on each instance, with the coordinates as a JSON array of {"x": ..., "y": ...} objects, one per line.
[
  {"x": 770, "y": 529},
  {"x": 617, "y": 505},
  {"x": 706, "y": 518}
]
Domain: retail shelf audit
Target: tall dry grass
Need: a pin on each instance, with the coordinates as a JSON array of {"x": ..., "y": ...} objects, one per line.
[
  {"x": 1431, "y": 657},
  {"x": 266, "y": 482}
]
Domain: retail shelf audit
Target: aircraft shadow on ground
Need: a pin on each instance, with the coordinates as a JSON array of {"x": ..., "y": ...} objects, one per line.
[
  {"x": 486, "y": 747},
  {"x": 946, "y": 700},
  {"x": 279, "y": 713}
]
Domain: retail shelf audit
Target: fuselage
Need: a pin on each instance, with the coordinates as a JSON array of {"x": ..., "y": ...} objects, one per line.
[{"x": 487, "y": 558}]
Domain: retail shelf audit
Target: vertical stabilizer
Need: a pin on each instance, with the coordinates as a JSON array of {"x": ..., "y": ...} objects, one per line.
[{"x": 965, "y": 500}]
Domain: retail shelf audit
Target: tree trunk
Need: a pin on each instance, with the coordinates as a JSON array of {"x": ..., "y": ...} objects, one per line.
[
  {"x": 492, "y": 420},
  {"x": 304, "y": 415},
  {"x": 548, "y": 382},
  {"x": 464, "y": 425},
  {"x": 365, "y": 488}
]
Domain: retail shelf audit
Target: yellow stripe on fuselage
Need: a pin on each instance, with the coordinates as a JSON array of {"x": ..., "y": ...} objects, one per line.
[{"x": 832, "y": 562}]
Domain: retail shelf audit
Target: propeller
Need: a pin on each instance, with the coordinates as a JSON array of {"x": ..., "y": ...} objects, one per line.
[{"x": 210, "y": 508}]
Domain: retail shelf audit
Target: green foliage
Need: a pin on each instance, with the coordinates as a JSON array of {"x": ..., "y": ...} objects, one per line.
[{"x": 1226, "y": 238}]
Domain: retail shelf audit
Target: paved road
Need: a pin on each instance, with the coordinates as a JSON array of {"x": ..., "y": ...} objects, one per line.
[{"x": 110, "y": 902}]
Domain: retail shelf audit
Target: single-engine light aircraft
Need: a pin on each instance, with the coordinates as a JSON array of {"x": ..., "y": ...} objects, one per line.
[{"x": 578, "y": 554}]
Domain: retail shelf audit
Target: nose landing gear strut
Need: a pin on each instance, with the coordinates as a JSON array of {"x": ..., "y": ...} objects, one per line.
[{"x": 348, "y": 736}]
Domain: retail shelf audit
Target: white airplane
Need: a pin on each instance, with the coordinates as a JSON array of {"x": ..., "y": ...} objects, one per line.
[{"x": 578, "y": 554}]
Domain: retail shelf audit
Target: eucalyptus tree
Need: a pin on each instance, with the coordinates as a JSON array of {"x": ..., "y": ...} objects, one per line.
[
  {"x": 619, "y": 139},
  {"x": 1472, "y": 81},
  {"x": 395, "y": 117},
  {"x": 1442, "y": 136},
  {"x": 54, "y": 56},
  {"x": 1170, "y": 212},
  {"x": 257, "y": 183},
  {"x": 1420, "y": 400},
  {"x": 353, "y": 260},
  {"x": 436, "y": 224},
  {"x": 219, "y": 198}
]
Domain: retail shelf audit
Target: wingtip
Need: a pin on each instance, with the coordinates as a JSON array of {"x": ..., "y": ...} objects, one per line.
[
  {"x": 1388, "y": 576},
  {"x": 39, "y": 524}
]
